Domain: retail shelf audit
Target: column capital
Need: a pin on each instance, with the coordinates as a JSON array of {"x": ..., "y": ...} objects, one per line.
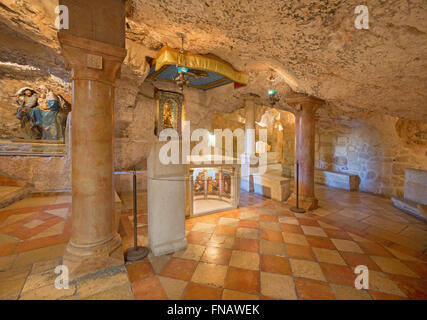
[
  {"x": 301, "y": 99},
  {"x": 90, "y": 59}
]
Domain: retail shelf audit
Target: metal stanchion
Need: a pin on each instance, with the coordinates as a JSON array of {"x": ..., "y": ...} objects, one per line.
[
  {"x": 297, "y": 209},
  {"x": 136, "y": 253}
]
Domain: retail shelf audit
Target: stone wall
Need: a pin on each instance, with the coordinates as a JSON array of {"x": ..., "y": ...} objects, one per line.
[
  {"x": 375, "y": 147},
  {"x": 45, "y": 173}
]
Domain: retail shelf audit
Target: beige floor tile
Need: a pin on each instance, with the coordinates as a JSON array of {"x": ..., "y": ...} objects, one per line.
[
  {"x": 273, "y": 226},
  {"x": 302, "y": 215},
  {"x": 6, "y": 239},
  {"x": 237, "y": 295},
  {"x": 313, "y": 231},
  {"x": 278, "y": 286},
  {"x": 245, "y": 260},
  {"x": 49, "y": 292},
  {"x": 307, "y": 269},
  {"x": 6, "y": 262},
  {"x": 354, "y": 214},
  {"x": 384, "y": 223},
  {"x": 94, "y": 285},
  {"x": 347, "y": 245},
  {"x": 204, "y": 227},
  {"x": 289, "y": 220},
  {"x": 63, "y": 212},
  {"x": 272, "y": 248},
  {"x": 327, "y": 225},
  {"x": 378, "y": 281},
  {"x": 221, "y": 242},
  {"x": 328, "y": 256},
  {"x": 38, "y": 280},
  {"x": 357, "y": 238},
  {"x": 394, "y": 266},
  {"x": 228, "y": 222},
  {"x": 294, "y": 238},
  {"x": 159, "y": 262},
  {"x": 415, "y": 233},
  {"x": 37, "y": 255},
  {"x": 45, "y": 265},
  {"x": 16, "y": 217},
  {"x": 174, "y": 288},
  {"x": 349, "y": 293},
  {"x": 15, "y": 273},
  {"x": 402, "y": 256},
  {"x": 247, "y": 233},
  {"x": 11, "y": 288},
  {"x": 249, "y": 215},
  {"x": 193, "y": 252},
  {"x": 54, "y": 230},
  {"x": 210, "y": 274},
  {"x": 122, "y": 292},
  {"x": 399, "y": 239}
]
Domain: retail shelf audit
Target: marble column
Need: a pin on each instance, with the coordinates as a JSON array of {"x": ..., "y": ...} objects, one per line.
[
  {"x": 304, "y": 110},
  {"x": 95, "y": 66},
  {"x": 248, "y": 157}
]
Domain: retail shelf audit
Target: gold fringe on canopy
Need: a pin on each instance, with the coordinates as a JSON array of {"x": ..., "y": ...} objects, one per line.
[{"x": 207, "y": 62}]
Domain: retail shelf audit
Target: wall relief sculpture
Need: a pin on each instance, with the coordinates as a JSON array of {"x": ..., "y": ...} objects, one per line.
[{"x": 43, "y": 115}]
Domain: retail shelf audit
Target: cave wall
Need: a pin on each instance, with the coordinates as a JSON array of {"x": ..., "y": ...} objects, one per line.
[{"x": 375, "y": 147}]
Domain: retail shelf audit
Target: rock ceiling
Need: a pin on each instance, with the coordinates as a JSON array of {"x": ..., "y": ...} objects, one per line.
[{"x": 308, "y": 46}]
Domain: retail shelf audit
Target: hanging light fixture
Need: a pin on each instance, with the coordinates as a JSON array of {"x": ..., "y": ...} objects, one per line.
[
  {"x": 273, "y": 98},
  {"x": 181, "y": 79}
]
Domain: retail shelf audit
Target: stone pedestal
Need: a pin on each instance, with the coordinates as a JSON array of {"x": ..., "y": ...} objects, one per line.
[
  {"x": 304, "y": 109},
  {"x": 415, "y": 194},
  {"x": 166, "y": 204},
  {"x": 248, "y": 163},
  {"x": 94, "y": 244},
  {"x": 416, "y": 185}
]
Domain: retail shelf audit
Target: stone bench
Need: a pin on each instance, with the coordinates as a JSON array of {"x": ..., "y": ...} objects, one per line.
[
  {"x": 272, "y": 185},
  {"x": 415, "y": 194},
  {"x": 339, "y": 180}
]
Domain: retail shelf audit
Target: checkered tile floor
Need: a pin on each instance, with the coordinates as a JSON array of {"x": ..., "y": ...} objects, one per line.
[{"x": 264, "y": 251}]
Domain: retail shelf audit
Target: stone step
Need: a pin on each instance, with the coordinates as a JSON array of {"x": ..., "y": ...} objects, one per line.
[
  {"x": 9, "y": 195},
  {"x": 12, "y": 190},
  {"x": 411, "y": 207}
]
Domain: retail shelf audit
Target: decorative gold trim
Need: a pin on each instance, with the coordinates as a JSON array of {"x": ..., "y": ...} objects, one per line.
[{"x": 169, "y": 56}]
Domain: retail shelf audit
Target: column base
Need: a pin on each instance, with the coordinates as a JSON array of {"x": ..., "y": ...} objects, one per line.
[
  {"x": 170, "y": 247},
  {"x": 81, "y": 261},
  {"x": 309, "y": 204}
]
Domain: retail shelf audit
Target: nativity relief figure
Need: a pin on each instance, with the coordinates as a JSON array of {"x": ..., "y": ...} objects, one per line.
[{"x": 43, "y": 115}]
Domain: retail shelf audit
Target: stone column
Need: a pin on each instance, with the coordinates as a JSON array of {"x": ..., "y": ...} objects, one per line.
[
  {"x": 248, "y": 158},
  {"x": 95, "y": 66},
  {"x": 304, "y": 109}
]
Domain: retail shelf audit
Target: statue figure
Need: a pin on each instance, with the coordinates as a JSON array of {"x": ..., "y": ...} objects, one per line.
[
  {"x": 27, "y": 100},
  {"x": 43, "y": 116}
]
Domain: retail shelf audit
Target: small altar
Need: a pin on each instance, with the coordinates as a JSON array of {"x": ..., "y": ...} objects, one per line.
[{"x": 212, "y": 185}]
